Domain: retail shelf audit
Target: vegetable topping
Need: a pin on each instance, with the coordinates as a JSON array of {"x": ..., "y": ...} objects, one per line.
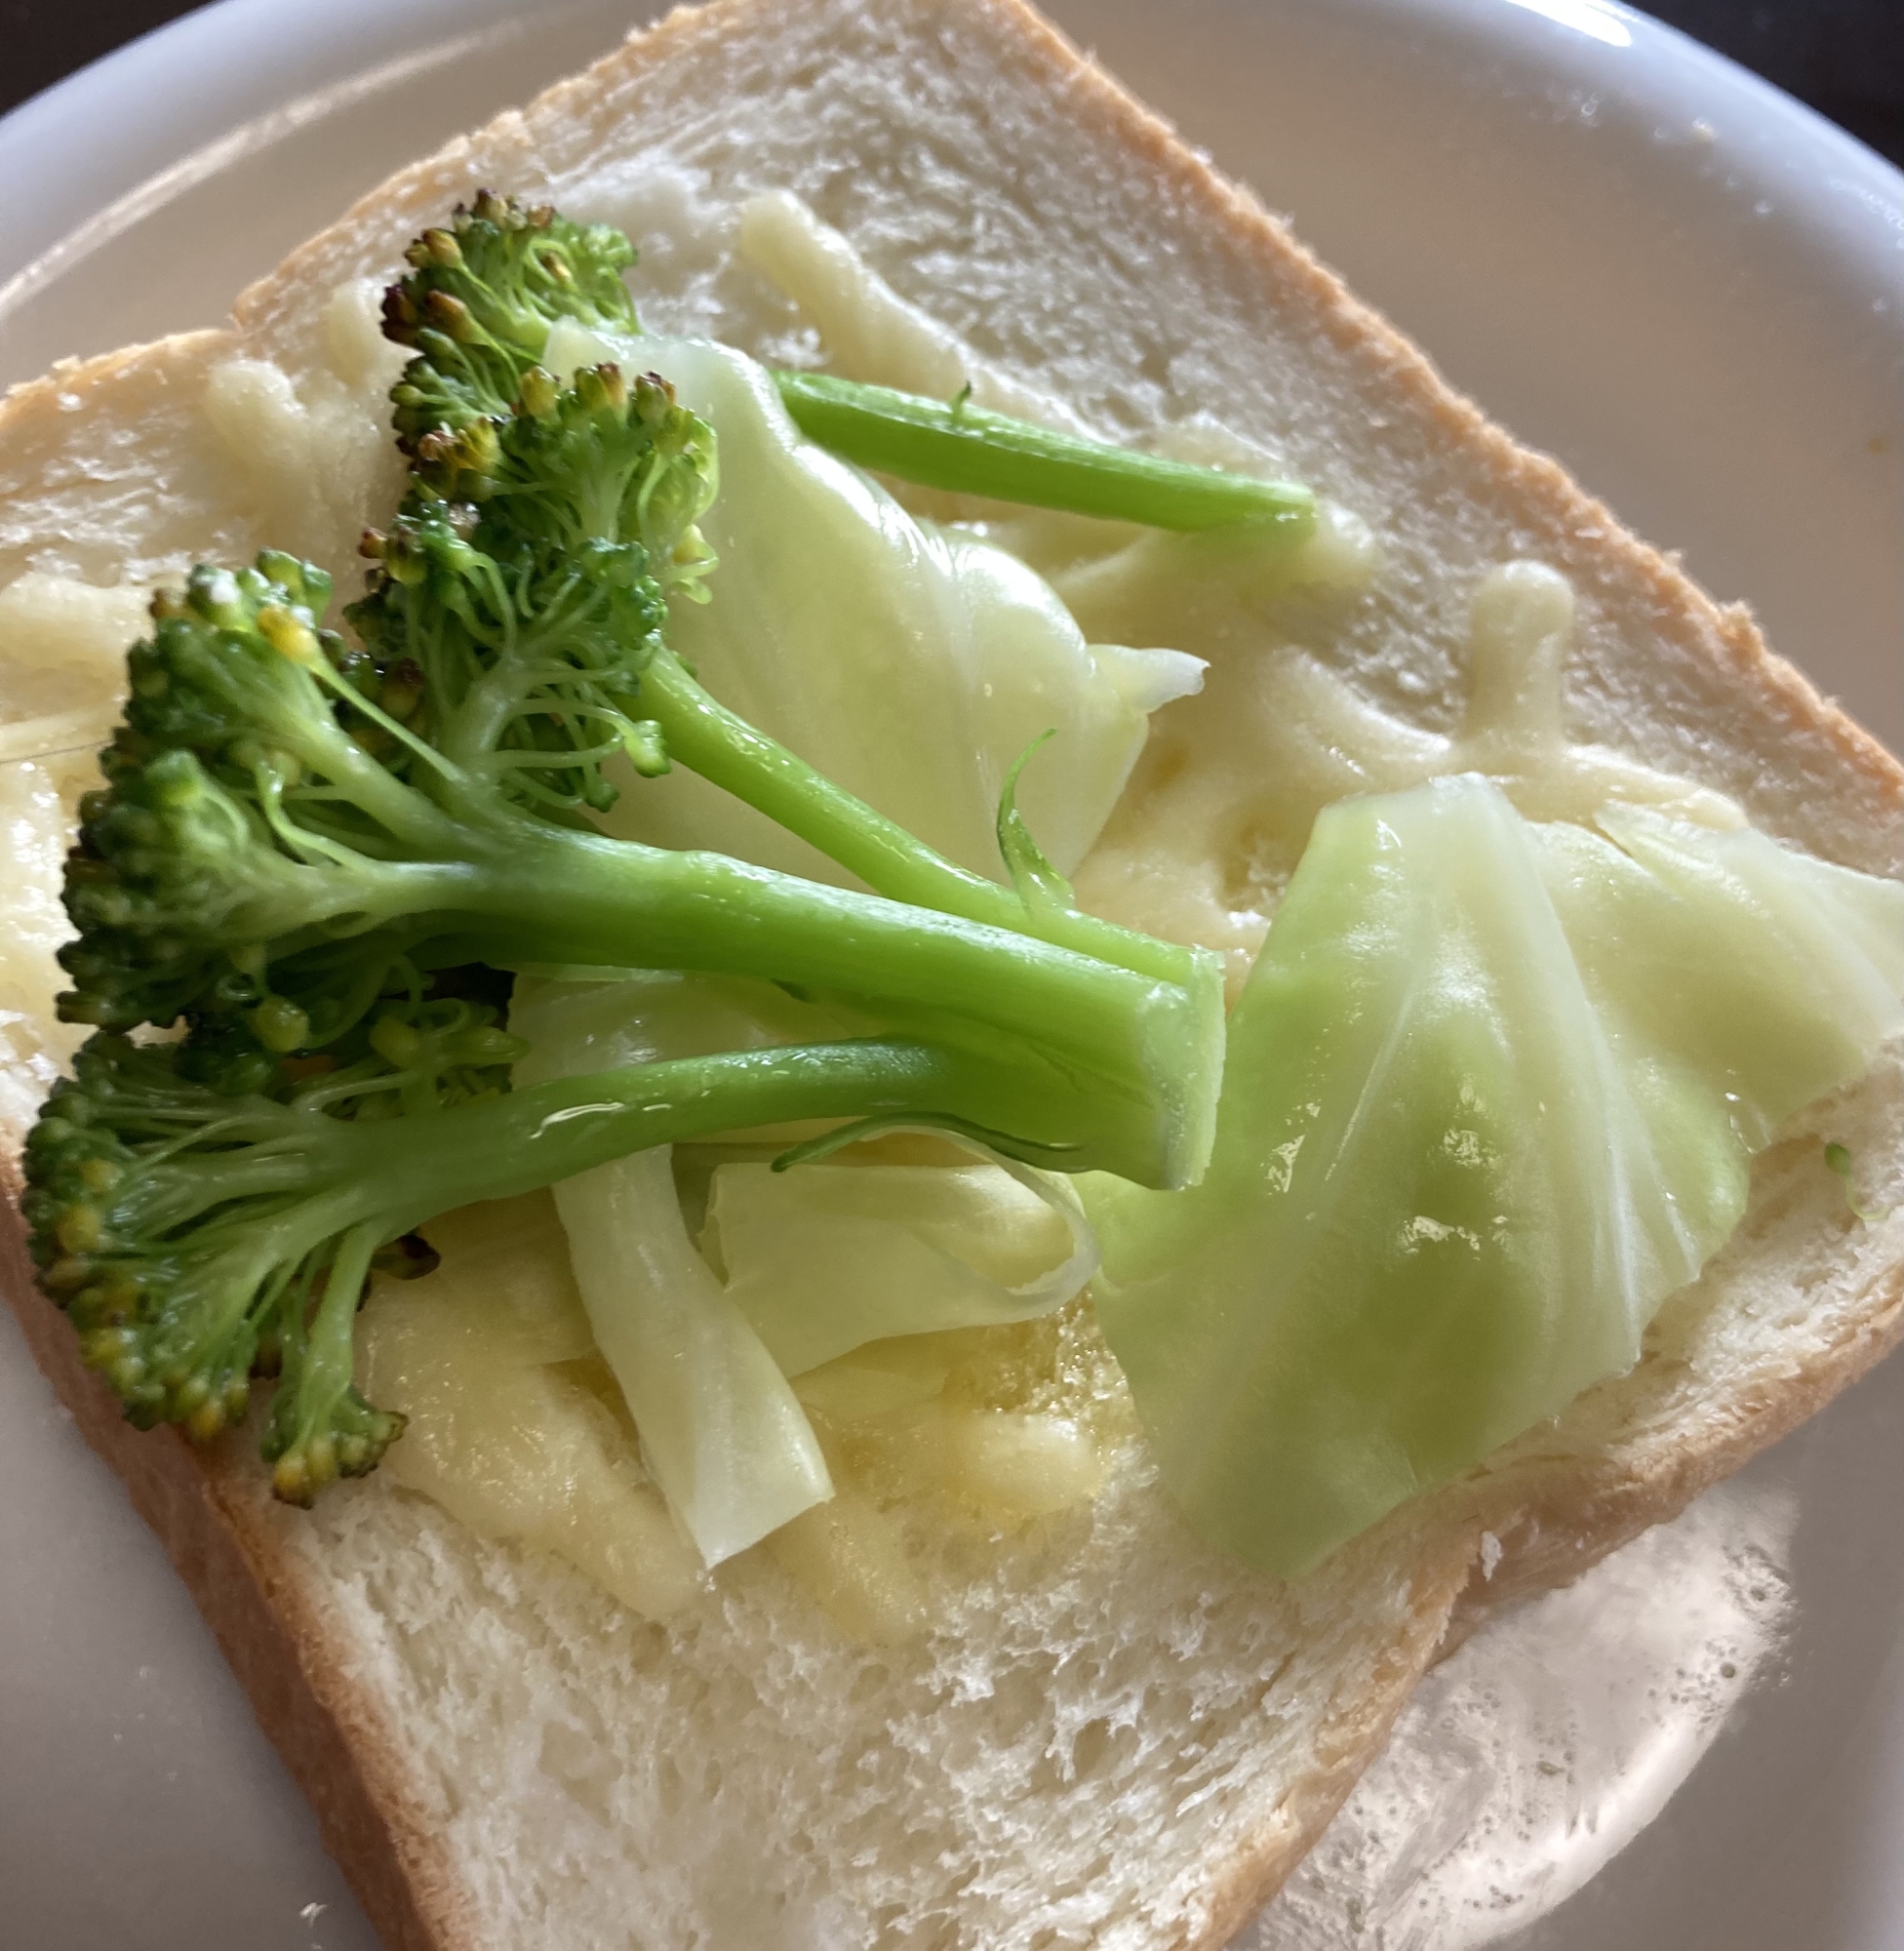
[{"x": 1492, "y": 1092}]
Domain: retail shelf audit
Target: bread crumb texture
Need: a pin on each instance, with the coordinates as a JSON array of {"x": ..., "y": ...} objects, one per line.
[{"x": 1097, "y": 1681}]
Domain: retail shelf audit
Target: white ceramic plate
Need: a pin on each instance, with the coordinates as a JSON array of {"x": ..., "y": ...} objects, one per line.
[{"x": 1640, "y": 258}]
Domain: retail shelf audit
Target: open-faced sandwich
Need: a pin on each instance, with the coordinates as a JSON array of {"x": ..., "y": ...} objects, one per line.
[{"x": 938, "y": 1013}]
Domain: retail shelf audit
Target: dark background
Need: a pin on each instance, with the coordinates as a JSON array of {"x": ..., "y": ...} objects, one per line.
[{"x": 1844, "y": 57}]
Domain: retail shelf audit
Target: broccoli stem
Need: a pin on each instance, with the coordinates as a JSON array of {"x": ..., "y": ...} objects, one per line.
[
  {"x": 971, "y": 450},
  {"x": 287, "y": 873},
  {"x": 708, "y": 739},
  {"x": 190, "y": 1233},
  {"x": 554, "y": 894},
  {"x": 400, "y": 1174}
]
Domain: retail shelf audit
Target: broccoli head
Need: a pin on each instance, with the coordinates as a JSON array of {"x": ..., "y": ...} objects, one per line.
[
  {"x": 236, "y": 808},
  {"x": 478, "y": 302},
  {"x": 208, "y": 1212},
  {"x": 523, "y": 583},
  {"x": 177, "y": 1200}
]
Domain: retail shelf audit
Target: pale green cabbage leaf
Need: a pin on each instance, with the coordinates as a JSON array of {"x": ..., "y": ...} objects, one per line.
[
  {"x": 814, "y": 1261},
  {"x": 826, "y": 1257},
  {"x": 1492, "y": 1092},
  {"x": 911, "y": 665},
  {"x": 722, "y": 1433}
]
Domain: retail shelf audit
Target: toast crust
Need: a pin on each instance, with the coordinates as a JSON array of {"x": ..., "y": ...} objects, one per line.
[
  {"x": 1552, "y": 1522},
  {"x": 34, "y": 408}
]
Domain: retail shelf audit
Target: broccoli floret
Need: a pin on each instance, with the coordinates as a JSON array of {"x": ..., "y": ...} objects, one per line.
[
  {"x": 517, "y": 598},
  {"x": 177, "y": 1197},
  {"x": 206, "y": 1211},
  {"x": 480, "y": 299},
  {"x": 289, "y": 825},
  {"x": 237, "y": 813},
  {"x": 601, "y": 459}
]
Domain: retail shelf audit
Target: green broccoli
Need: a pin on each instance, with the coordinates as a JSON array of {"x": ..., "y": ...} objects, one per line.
[
  {"x": 206, "y": 1211},
  {"x": 250, "y": 856},
  {"x": 479, "y": 301}
]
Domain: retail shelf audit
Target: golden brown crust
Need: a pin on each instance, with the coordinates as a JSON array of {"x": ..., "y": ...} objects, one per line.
[
  {"x": 1355, "y": 1731},
  {"x": 43, "y": 401},
  {"x": 216, "y": 1527},
  {"x": 64, "y": 453},
  {"x": 38, "y": 416}
]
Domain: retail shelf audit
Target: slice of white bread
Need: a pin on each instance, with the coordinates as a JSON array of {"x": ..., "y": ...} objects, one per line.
[{"x": 1113, "y": 1738}]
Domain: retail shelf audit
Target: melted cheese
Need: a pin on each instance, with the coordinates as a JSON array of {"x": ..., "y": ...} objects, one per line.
[
  {"x": 62, "y": 671},
  {"x": 871, "y": 333},
  {"x": 62, "y": 660},
  {"x": 317, "y": 455},
  {"x": 513, "y": 1425},
  {"x": 1220, "y": 811}
]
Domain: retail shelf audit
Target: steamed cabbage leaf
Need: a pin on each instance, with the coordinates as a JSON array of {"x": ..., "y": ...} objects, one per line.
[
  {"x": 1492, "y": 1092},
  {"x": 722, "y": 1433},
  {"x": 911, "y": 665},
  {"x": 827, "y": 1257},
  {"x": 813, "y": 1262}
]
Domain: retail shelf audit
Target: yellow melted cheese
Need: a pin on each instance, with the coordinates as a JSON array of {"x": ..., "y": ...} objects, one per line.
[{"x": 516, "y": 1428}]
